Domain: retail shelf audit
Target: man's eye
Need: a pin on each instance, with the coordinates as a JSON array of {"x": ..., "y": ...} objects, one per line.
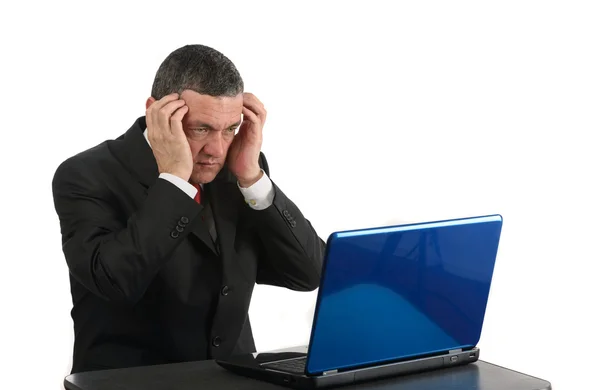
[{"x": 200, "y": 130}]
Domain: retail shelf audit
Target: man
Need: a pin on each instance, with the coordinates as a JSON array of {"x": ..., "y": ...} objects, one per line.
[{"x": 167, "y": 228}]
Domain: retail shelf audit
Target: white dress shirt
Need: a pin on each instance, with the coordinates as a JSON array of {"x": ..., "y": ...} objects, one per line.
[{"x": 259, "y": 196}]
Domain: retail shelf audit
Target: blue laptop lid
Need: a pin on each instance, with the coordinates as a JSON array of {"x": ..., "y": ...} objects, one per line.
[{"x": 405, "y": 291}]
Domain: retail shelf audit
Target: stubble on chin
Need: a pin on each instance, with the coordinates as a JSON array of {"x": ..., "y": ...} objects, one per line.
[{"x": 205, "y": 176}]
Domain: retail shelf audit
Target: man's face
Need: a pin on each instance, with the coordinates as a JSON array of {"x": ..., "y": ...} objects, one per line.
[{"x": 210, "y": 125}]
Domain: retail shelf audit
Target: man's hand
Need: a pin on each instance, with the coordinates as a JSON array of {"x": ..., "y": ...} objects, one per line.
[
  {"x": 165, "y": 133},
  {"x": 244, "y": 151}
]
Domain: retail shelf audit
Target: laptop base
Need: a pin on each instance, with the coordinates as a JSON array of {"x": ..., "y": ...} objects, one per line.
[{"x": 256, "y": 366}]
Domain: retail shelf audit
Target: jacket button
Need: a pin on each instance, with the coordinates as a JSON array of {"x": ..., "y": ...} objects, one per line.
[
  {"x": 174, "y": 234},
  {"x": 179, "y": 229},
  {"x": 216, "y": 341},
  {"x": 286, "y": 213},
  {"x": 184, "y": 220},
  {"x": 225, "y": 290}
]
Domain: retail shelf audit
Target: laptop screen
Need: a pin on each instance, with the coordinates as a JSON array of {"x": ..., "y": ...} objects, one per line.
[{"x": 401, "y": 292}]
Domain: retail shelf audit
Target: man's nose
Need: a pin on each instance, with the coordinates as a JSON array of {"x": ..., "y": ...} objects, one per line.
[{"x": 215, "y": 145}]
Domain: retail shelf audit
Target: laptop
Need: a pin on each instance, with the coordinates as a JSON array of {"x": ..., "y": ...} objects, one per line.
[{"x": 392, "y": 300}]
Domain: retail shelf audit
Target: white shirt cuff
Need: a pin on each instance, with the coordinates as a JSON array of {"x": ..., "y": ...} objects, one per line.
[
  {"x": 259, "y": 195},
  {"x": 179, "y": 182}
]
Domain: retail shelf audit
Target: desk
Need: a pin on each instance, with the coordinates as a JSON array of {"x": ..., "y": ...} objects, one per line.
[{"x": 208, "y": 375}]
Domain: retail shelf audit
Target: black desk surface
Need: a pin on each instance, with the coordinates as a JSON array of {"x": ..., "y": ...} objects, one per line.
[{"x": 208, "y": 375}]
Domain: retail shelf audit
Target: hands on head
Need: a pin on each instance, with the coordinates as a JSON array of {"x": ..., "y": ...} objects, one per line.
[
  {"x": 181, "y": 148},
  {"x": 244, "y": 152},
  {"x": 165, "y": 132}
]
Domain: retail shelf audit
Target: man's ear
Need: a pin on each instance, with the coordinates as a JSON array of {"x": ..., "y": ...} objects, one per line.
[{"x": 149, "y": 102}]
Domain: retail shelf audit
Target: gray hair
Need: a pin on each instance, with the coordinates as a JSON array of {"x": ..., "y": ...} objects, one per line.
[{"x": 198, "y": 68}]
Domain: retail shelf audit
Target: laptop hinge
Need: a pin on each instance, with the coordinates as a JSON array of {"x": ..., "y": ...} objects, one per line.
[
  {"x": 330, "y": 372},
  {"x": 454, "y": 351}
]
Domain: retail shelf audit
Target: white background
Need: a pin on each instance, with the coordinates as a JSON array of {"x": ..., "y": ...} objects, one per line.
[{"x": 377, "y": 113}]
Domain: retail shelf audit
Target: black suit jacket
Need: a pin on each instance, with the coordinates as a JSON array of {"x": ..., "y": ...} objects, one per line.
[{"x": 148, "y": 284}]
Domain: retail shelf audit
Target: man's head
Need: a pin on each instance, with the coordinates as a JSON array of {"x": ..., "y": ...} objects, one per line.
[{"x": 212, "y": 88}]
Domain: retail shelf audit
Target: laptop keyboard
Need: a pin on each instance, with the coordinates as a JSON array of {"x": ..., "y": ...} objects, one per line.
[{"x": 295, "y": 366}]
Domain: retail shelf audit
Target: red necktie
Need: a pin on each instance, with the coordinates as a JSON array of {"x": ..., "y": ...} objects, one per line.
[{"x": 198, "y": 196}]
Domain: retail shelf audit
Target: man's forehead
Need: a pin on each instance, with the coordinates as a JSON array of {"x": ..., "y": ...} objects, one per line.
[{"x": 192, "y": 97}]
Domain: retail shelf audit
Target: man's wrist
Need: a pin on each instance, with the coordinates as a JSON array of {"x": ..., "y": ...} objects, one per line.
[
  {"x": 183, "y": 185},
  {"x": 259, "y": 195},
  {"x": 248, "y": 182},
  {"x": 182, "y": 174}
]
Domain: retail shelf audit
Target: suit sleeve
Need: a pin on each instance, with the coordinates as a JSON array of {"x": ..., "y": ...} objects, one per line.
[
  {"x": 113, "y": 255},
  {"x": 292, "y": 251}
]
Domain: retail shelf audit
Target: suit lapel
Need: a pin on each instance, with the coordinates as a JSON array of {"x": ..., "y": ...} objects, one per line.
[{"x": 134, "y": 153}]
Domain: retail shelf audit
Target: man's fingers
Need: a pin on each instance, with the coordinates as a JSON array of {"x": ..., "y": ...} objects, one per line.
[
  {"x": 255, "y": 105},
  {"x": 251, "y": 116},
  {"x": 153, "y": 120},
  {"x": 149, "y": 121},
  {"x": 163, "y": 115},
  {"x": 176, "y": 120},
  {"x": 252, "y": 101},
  {"x": 157, "y": 105}
]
